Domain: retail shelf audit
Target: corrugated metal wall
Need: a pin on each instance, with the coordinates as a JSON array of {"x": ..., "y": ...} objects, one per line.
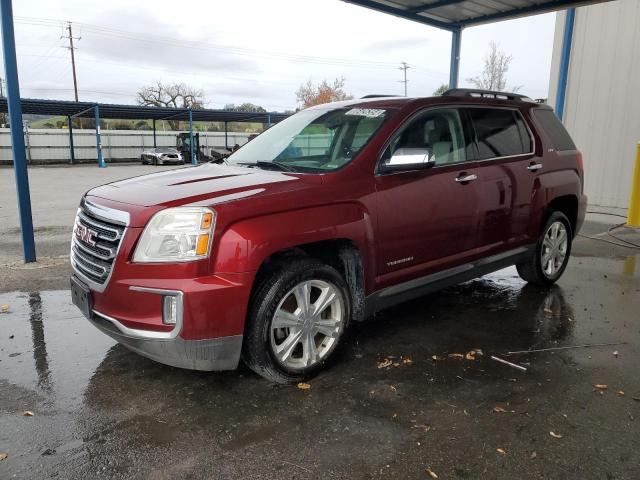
[
  {"x": 602, "y": 107},
  {"x": 52, "y": 145}
]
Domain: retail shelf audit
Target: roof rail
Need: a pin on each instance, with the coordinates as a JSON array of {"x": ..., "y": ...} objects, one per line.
[
  {"x": 376, "y": 95},
  {"x": 478, "y": 93}
]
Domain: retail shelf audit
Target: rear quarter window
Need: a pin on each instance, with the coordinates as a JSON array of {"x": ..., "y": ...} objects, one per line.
[
  {"x": 557, "y": 134},
  {"x": 500, "y": 133}
]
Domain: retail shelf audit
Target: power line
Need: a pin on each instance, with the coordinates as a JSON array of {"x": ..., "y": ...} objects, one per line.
[
  {"x": 404, "y": 66},
  {"x": 71, "y": 48}
]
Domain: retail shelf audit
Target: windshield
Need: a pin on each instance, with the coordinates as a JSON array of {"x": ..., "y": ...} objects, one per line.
[
  {"x": 315, "y": 140},
  {"x": 166, "y": 150}
]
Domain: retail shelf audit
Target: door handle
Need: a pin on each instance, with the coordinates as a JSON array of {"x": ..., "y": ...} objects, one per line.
[
  {"x": 466, "y": 178},
  {"x": 534, "y": 166}
]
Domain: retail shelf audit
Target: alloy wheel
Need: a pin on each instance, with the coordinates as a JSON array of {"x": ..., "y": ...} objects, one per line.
[
  {"x": 554, "y": 249},
  {"x": 307, "y": 324}
]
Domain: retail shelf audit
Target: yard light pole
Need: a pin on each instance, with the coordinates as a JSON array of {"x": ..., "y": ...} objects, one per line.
[{"x": 17, "y": 137}]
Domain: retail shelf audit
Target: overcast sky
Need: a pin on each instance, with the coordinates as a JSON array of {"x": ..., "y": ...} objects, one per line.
[{"x": 256, "y": 51}]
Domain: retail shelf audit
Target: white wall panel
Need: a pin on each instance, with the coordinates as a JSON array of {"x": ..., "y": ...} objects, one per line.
[{"x": 602, "y": 105}]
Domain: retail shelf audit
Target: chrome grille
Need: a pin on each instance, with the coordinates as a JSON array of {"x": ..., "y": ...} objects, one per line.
[{"x": 95, "y": 243}]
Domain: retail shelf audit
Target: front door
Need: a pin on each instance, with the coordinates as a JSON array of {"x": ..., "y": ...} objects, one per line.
[{"x": 427, "y": 218}]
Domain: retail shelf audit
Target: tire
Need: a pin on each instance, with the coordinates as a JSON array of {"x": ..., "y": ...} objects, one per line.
[
  {"x": 547, "y": 264},
  {"x": 282, "y": 354},
  {"x": 143, "y": 160}
]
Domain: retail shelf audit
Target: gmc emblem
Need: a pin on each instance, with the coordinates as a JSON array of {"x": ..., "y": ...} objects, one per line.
[{"x": 86, "y": 235}]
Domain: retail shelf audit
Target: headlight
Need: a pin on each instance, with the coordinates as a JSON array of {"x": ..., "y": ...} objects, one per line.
[{"x": 179, "y": 234}]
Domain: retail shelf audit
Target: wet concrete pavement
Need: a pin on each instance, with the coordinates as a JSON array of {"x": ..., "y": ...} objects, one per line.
[{"x": 103, "y": 412}]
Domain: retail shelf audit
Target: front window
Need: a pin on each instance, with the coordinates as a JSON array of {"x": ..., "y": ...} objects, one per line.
[{"x": 314, "y": 140}]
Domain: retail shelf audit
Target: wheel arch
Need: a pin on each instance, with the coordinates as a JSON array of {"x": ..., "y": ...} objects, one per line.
[{"x": 566, "y": 204}]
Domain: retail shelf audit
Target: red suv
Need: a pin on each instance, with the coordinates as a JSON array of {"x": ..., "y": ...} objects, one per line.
[{"x": 337, "y": 212}]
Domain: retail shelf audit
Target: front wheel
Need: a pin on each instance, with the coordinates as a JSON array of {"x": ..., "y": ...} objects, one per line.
[
  {"x": 552, "y": 252},
  {"x": 297, "y": 318}
]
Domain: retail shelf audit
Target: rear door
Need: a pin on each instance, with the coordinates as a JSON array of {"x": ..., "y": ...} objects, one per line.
[
  {"x": 507, "y": 169},
  {"x": 427, "y": 219}
]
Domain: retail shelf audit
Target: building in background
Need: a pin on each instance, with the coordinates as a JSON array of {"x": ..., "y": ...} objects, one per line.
[{"x": 602, "y": 103}]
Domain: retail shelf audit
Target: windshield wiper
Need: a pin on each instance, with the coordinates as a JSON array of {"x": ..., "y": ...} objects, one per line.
[{"x": 267, "y": 164}]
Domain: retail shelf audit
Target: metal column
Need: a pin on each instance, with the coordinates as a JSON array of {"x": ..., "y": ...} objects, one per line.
[
  {"x": 154, "y": 134},
  {"x": 17, "y": 137},
  {"x": 226, "y": 140},
  {"x": 456, "y": 38},
  {"x": 268, "y": 120},
  {"x": 96, "y": 111},
  {"x": 563, "y": 74},
  {"x": 194, "y": 160},
  {"x": 72, "y": 153}
]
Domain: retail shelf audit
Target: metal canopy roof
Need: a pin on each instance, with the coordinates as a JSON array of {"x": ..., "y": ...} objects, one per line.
[
  {"x": 457, "y": 14},
  {"x": 136, "y": 112}
]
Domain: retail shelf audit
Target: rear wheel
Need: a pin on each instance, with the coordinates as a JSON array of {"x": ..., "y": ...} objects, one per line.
[
  {"x": 297, "y": 318},
  {"x": 552, "y": 252}
]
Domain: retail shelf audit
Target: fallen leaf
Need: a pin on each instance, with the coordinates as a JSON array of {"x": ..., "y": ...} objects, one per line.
[
  {"x": 620, "y": 392},
  {"x": 457, "y": 356},
  {"x": 431, "y": 473},
  {"x": 3, "y": 456},
  {"x": 394, "y": 415},
  {"x": 601, "y": 386},
  {"x": 393, "y": 388},
  {"x": 501, "y": 451},
  {"x": 28, "y": 413},
  {"x": 615, "y": 354},
  {"x": 470, "y": 356},
  {"x": 436, "y": 358},
  {"x": 499, "y": 410},
  {"x": 548, "y": 311},
  {"x": 533, "y": 455},
  {"x": 407, "y": 361},
  {"x": 385, "y": 363},
  {"x": 304, "y": 386},
  {"x": 4, "y": 308},
  {"x": 555, "y": 435}
]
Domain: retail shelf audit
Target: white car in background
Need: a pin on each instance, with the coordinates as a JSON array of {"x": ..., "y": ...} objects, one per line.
[{"x": 161, "y": 156}]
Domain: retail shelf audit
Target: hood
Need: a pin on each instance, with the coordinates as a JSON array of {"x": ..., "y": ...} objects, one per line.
[{"x": 208, "y": 183}]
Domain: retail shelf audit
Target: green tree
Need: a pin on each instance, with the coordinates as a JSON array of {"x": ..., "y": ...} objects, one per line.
[{"x": 440, "y": 90}]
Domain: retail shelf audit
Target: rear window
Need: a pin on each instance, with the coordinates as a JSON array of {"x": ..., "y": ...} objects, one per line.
[
  {"x": 500, "y": 133},
  {"x": 554, "y": 129}
]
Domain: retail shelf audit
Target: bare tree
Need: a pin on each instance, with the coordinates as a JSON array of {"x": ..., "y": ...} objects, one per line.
[
  {"x": 494, "y": 74},
  {"x": 309, "y": 94},
  {"x": 176, "y": 95}
]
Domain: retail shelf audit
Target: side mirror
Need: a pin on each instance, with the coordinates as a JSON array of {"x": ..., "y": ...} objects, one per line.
[{"x": 405, "y": 159}]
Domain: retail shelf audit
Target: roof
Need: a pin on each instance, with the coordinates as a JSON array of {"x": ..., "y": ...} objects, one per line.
[
  {"x": 137, "y": 112},
  {"x": 457, "y": 14}
]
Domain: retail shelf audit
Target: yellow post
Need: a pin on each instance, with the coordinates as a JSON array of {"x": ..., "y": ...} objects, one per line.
[{"x": 633, "y": 216}]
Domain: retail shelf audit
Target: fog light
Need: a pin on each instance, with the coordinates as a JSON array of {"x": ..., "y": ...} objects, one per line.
[{"x": 169, "y": 309}]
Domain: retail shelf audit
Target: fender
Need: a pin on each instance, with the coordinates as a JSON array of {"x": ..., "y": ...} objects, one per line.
[
  {"x": 245, "y": 245},
  {"x": 548, "y": 186}
]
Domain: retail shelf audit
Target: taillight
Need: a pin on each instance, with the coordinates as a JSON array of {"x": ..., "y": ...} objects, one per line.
[{"x": 580, "y": 161}]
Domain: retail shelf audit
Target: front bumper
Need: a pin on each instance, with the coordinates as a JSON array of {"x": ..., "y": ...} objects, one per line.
[{"x": 210, "y": 354}]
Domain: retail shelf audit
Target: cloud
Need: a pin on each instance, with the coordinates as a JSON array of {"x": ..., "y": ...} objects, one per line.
[{"x": 141, "y": 39}]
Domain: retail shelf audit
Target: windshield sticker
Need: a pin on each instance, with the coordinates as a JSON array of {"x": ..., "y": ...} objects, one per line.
[{"x": 366, "y": 112}]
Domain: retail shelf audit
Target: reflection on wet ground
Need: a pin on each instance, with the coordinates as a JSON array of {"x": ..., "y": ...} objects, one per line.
[{"x": 103, "y": 411}]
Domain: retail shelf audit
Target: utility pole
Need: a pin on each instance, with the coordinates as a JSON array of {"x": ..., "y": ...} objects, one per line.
[
  {"x": 404, "y": 66},
  {"x": 71, "y": 38}
]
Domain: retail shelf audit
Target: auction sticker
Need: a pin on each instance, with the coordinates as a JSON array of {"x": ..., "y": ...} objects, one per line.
[{"x": 366, "y": 112}]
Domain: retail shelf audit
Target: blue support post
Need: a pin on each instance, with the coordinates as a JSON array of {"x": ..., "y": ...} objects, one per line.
[
  {"x": 226, "y": 137},
  {"x": 155, "y": 145},
  {"x": 17, "y": 136},
  {"x": 194, "y": 160},
  {"x": 72, "y": 153},
  {"x": 565, "y": 57},
  {"x": 96, "y": 111},
  {"x": 456, "y": 38}
]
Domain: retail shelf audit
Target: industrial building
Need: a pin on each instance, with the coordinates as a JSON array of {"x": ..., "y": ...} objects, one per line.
[{"x": 602, "y": 100}]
